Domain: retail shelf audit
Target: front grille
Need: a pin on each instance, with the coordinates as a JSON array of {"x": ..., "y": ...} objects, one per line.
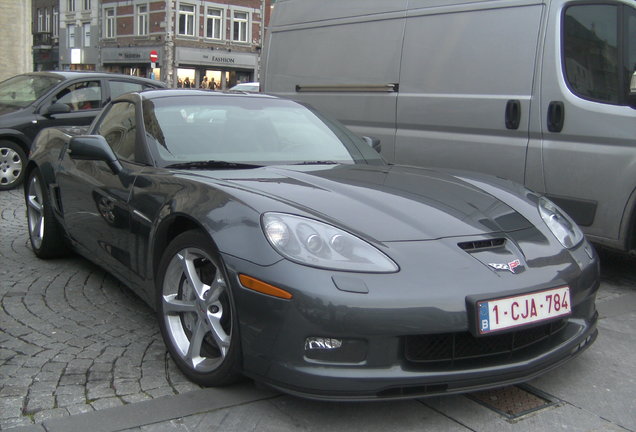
[{"x": 450, "y": 347}]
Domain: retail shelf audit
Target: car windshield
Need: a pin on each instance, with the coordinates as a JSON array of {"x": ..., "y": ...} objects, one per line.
[
  {"x": 248, "y": 130},
  {"x": 22, "y": 90}
]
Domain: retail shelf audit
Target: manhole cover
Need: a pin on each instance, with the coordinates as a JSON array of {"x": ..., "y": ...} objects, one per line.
[{"x": 514, "y": 401}]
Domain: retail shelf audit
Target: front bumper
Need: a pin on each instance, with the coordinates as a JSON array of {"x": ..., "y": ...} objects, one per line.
[{"x": 376, "y": 320}]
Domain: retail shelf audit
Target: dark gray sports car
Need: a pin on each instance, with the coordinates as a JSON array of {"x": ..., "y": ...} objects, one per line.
[{"x": 276, "y": 244}]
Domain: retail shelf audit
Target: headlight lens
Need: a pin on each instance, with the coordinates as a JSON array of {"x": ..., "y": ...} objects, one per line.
[
  {"x": 307, "y": 241},
  {"x": 562, "y": 226}
]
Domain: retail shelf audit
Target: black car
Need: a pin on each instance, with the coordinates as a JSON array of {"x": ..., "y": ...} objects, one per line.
[
  {"x": 33, "y": 101},
  {"x": 275, "y": 243}
]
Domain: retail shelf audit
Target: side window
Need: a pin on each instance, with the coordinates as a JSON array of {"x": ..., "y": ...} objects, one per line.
[
  {"x": 592, "y": 52},
  {"x": 630, "y": 62},
  {"x": 85, "y": 95},
  {"x": 119, "y": 128},
  {"x": 118, "y": 88}
]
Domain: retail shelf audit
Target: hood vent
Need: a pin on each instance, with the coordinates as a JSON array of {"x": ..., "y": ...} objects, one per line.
[{"x": 477, "y": 245}]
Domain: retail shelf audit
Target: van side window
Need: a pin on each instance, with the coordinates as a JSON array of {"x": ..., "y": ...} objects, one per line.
[
  {"x": 630, "y": 38},
  {"x": 591, "y": 51}
]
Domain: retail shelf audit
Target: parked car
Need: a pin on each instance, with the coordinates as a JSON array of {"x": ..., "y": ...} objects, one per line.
[
  {"x": 274, "y": 243},
  {"x": 33, "y": 101},
  {"x": 249, "y": 87},
  {"x": 537, "y": 92}
]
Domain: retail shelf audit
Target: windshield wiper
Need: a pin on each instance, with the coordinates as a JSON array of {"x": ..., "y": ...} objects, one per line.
[
  {"x": 317, "y": 162},
  {"x": 212, "y": 164}
]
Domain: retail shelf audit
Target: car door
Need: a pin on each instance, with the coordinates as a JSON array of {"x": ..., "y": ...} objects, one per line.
[
  {"x": 95, "y": 199},
  {"x": 588, "y": 128},
  {"x": 84, "y": 99}
]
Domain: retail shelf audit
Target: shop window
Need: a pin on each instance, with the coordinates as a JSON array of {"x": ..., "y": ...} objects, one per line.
[
  {"x": 110, "y": 22},
  {"x": 240, "y": 26},
  {"x": 186, "y": 20},
  {"x": 213, "y": 23}
]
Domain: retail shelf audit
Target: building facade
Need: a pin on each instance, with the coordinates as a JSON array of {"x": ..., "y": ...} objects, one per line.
[
  {"x": 189, "y": 43},
  {"x": 15, "y": 38},
  {"x": 45, "y": 26},
  {"x": 79, "y": 34}
]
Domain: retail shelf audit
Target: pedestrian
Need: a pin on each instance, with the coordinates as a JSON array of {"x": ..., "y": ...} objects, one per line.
[
  {"x": 204, "y": 82},
  {"x": 186, "y": 83}
]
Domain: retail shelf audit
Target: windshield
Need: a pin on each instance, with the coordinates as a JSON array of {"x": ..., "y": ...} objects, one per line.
[
  {"x": 248, "y": 130},
  {"x": 22, "y": 90}
]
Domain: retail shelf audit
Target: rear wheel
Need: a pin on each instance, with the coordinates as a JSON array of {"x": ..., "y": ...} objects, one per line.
[
  {"x": 12, "y": 164},
  {"x": 46, "y": 235},
  {"x": 196, "y": 311}
]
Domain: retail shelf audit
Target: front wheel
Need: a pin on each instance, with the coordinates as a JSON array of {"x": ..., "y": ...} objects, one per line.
[
  {"x": 12, "y": 164},
  {"x": 196, "y": 311}
]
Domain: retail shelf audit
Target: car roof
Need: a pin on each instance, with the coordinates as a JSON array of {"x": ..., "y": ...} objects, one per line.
[
  {"x": 169, "y": 92},
  {"x": 66, "y": 75}
]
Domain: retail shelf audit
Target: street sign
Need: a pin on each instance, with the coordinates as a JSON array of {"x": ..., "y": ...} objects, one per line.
[{"x": 154, "y": 56}]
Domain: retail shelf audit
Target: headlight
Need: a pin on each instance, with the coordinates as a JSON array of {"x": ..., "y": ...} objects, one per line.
[
  {"x": 307, "y": 241},
  {"x": 561, "y": 225}
]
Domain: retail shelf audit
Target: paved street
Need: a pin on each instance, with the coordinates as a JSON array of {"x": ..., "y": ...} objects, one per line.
[{"x": 79, "y": 352}]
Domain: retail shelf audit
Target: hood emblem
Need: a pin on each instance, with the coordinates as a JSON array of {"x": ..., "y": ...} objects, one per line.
[{"x": 511, "y": 266}]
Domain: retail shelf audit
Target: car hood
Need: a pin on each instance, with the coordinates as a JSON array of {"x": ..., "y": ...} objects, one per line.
[{"x": 388, "y": 203}]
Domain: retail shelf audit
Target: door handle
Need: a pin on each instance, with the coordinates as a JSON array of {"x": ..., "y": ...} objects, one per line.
[
  {"x": 556, "y": 116},
  {"x": 513, "y": 114}
]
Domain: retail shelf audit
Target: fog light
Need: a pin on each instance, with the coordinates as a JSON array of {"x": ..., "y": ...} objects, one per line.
[
  {"x": 322, "y": 343},
  {"x": 332, "y": 350}
]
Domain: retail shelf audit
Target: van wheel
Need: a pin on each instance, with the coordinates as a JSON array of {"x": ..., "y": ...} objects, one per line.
[{"x": 12, "y": 163}]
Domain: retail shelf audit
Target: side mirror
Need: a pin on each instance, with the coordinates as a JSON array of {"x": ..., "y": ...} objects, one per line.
[
  {"x": 632, "y": 91},
  {"x": 57, "y": 108},
  {"x": 94, "y": 148},
  {"x": 373, "y": 142}
]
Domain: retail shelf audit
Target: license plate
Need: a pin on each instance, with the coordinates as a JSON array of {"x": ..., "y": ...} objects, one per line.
[{"x": 505, "y": 313}]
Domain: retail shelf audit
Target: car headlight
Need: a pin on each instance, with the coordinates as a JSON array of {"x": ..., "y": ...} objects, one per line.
[
  {"x": 307, "y": 241},
  {"x": 562, "y": 226}
]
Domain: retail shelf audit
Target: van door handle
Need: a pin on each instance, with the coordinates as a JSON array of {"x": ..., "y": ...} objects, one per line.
[
  {"x": 556, "y": 116},
  {"x": 513, "y": 114}
]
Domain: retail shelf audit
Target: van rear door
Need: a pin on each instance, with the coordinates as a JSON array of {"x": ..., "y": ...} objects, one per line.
[{"x": 466, "y": 84}]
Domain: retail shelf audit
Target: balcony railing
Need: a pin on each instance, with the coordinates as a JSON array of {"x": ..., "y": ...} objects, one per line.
[{"x": 43, "y": 39}]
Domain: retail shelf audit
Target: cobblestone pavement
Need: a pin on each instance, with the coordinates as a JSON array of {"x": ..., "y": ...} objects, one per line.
[
  {"x": 72, "y": 338},
  {"x": 79, "y": 351}
]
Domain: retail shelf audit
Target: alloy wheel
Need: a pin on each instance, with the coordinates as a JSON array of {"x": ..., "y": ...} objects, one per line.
[
  {"x": 196, "y": 309},
  {"x": 35, "y": 211}
]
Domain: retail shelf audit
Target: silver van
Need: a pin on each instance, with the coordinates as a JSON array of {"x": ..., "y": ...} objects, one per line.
[{"x": 537, "y": 91}]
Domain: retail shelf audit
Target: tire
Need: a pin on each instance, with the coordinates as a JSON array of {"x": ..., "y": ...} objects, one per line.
[
  {"x": 12, "y": 165},
  {"x": 196, "y": 311},
  {"x": 45, "y": 233}
]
